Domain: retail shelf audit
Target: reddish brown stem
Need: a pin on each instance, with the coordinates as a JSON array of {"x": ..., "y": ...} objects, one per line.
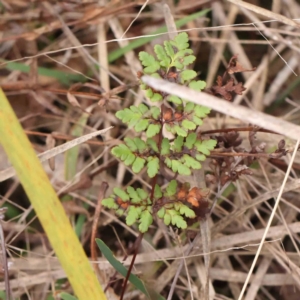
[
  {"x": 140, "y": 237},
  {"x": 237, "y": 129}
]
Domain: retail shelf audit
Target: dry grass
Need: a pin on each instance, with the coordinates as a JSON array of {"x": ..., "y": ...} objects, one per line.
[{"x": 79, "y": 38}]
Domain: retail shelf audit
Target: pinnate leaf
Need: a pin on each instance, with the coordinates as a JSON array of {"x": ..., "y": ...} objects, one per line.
[
  {"x": 138, "y": 164},
  {"x": 141, "y": 125},
  {"x": 132, "y": 215},
  {"x": 179, "y": 222},
  {"x": 178, "y": 143},
  {"x": 109, "y": 203},
  {"x": 185, "y": 210},
  {"x": 162, "y": 56},
  {"x": 189, "y": 125},
  {"x": 156, "y": 97},
  {"x": 171, "y": 188},
  {"x": 142, "y": 193},
  {"x": 191, "y": 162},
  {"x": 152, "y": 130},
  {"x": 180, "y": 131},
  {"x": 146, "y": 220},
  {"x": 198, "y": 85},
  {"x": 167, "y": 219},
  {"x": 152, "y": 144},
  {"x": 183, "y": 170},
  {"x": 157, "y": 192},
  {"x": 181, "y": 41},
  {"x": 151, "y": 64},
  {"x": 161, "y": 213},
  {"x": 174, "y": 99},
  {"x": 190, "y": 140},
  {"x": 205, "y": 146},
  {"x": 165, "y": 147},
  {"x": 153, "y": 166},
  {"x": 201, "y": 111},
  {"x": 169, "y": 49},
  {"x": 120, "y": 193},
  {"x": 187, "y": 75},
  {"x": 134, "y": 196}
]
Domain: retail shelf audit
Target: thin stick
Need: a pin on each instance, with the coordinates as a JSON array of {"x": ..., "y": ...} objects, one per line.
[
  {"x": 103, "y": 189},
  {"x": 4, "y": 258},
  {"x": 270, "y": 221}
]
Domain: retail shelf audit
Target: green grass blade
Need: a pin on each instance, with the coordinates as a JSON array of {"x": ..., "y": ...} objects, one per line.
[
  {"x": 66, "y": 296},
  {"x": 123, "y": 271},
  {"x": 62, "y": 76},
  {"x": 144, "y": 40},
  {"x": 46, "y": 205}
]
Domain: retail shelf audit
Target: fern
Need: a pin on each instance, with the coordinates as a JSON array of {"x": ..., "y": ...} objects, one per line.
[{"x": 177, "y": 203}]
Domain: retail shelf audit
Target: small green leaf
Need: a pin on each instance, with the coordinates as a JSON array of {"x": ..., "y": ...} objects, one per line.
[
  {"x": 168, "y": 162},
  {"x": 189, "y": 125},
  {"x": 178, "y": 144},
  {"x": 141, "y": 145},
  {"x": 143, "y": 195},
  {"x": 179, "y": 222},
  {"x": 191, "y": 162},
  {"x": 152, "y": 144},
  {"x": 162, "y": 56},
  {"x": 157, "y": 192},
  {"x": 189, "y": 213},
  {"x": 174, "y": 99},
  {"x": 129, "y": 159},
  {"x": 169, "y": 49},
  {"x": 120, "y": 193},
  {"x": 143, "y": 108},
  {"x": 190, "y": 140},
  {"x": 180, "y": 131},
  {"x": 200, "y": 157},
  {"x": 201, "y": 111},
  {"x": 156, "y": 97},
  {"x": 187, "y": 60},
  {"x": 152, "y": 130},
  {"x": 171, "y": 188},
  {"x": 141, "y": 125},
  {"x": 161, "y": 213},
  {"x": 149, "y": 62},
  {"x": 135, "y": 198},
  {"x": 183, "y": 170},
  {"x": 189, "y": 107},
  {"x": 205, "y": 146},
  {"x": 109, "y": 203},
  {"x": 149, "y": 93},
  {"x": 120, "y": 212},
  {"x": 132, "y": 215},
  {"x": 175, "y": 165},
  {"x": 131, "y": 144},
  {"x": 146, "y": 221},
  {"x": 197, "y": 121},
  {"x": 138, "y": 164},
  {"x": 167, "y": 219},
  {"x": 182, "y": 41},
  {"x": 187, "y": 75},
  {"x": 153, "y": 166},
  {"x": 198, "y": 85},
  {"x": 165, "y": 147},
  {"x": 178, "y": 65},
  {"x": 155, "y": 112}
]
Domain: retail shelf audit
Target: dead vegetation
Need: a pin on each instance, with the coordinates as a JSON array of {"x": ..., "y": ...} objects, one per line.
[{"x": 65, "y": 76}]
